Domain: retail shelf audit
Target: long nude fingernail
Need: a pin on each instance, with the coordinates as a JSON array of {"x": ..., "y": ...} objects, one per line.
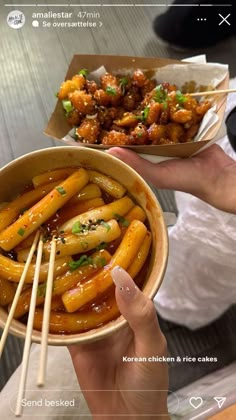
[{"x": 124, "y": 283}]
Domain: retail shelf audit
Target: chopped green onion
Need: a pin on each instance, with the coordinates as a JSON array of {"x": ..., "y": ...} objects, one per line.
[
  {"x": 121, "y": 220},
  {"x": 160, "y": 94},
  {"x": 77, "y": 228},
  {"x": 111, "y": 91},
  {"x": 81, "y": 262},
  {"x": 85, "y": 260},
  {"x": 100, "y": 262},
  {"x": 41, "y": 290},
  {"x": 144, "y": 114},
  {"x": 102, "y": 245},
  {"x": 165, "y": 105},
  {"x": 123, "y": 83},
  {"x": 180, "y": 97},
  {"x": 84, "y": 245},
  {"x": 21, "y": 232},
  {"x": 67, "y": 105},
  {"x": 61, "y": 190},
  {"x": 106, "y": 225},
  {"x": 84, "y": 72}
]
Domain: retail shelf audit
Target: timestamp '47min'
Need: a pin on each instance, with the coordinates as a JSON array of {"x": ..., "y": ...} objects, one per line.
[{"x": 88, "y": 15}]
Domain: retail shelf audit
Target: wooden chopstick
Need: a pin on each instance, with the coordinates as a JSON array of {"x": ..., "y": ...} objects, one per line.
[
  {"x": 212, "y": 92},
  {"x": 26, "y": 352},
  {"x": 46, "y": 316},
  {"x": 17, "y": 294}
]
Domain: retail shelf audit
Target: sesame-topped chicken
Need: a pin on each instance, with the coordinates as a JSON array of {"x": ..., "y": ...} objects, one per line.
[{"x": 130, "y": 110}]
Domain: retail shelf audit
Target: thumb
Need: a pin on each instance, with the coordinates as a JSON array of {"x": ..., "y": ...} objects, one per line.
[
  {"x": 157, "y": 174},
  {"x": 130, "y": 158},
  {"x": 138, "y": 310}
]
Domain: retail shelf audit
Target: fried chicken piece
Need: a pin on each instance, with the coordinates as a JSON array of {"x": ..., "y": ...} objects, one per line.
[
  {"x": 148, "y": 98},
  {"x": 110, "y": 84},
  {"x": 109, "y": 80},
  {"x": 140, "y": 134},
  {"x": 139, "y": 78},
  {"x": 153, "y": 113},
  {"x": 180, "y": 115},
  {"x": 107, "y": 115},
  {"x": 132, "y": 98},
  {"x": 101, "y": 97},
  {"x": 104, "y": 114},
  {"x": 116, "y": 138},
  {"x": 190, "y": 103},
  {"x": 165, "y": 115},
  {"x": 88, "y": 131},
  {"x": 129, "y": 102},
  {"x": 117, "y": 128},
  {"x": 191, "y": 132},
  {"x": 171, "y": 101},
  {"x": 169, "y": 87},
  {"x": 149, "y": 85},
  {"x": 82, "y": 101},
  {"x": 184, "y": 109},
  {"x": 119, "y": 112},
  {"x": 76, "y": 83},
  {"x": 156, "y": 132},
  {"x": 91, "y": 86},
  {"x": 74, "y": 117},
  {"x": 103, "y": 133},
  {"x": 124, "y": 82},
  {"x": 161, "y": 95},
  {"x": 202, "y": 108},
  {"x": 128, "y": 120},
  {"x": 105, "y": 99},
  {"x": 115, "y": 100},
  {"x": 175, "y": 132}
]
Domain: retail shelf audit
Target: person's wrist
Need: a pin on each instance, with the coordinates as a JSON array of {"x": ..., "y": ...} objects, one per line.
[{"x": 225, "y": 190}]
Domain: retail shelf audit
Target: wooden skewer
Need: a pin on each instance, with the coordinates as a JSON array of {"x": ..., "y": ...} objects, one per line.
[
  {"x": 17, "y": 294},
  {"x": 25, "y": 359},
  {"x": 212, "y": 92},
  {"x": 46, "y": 316}
]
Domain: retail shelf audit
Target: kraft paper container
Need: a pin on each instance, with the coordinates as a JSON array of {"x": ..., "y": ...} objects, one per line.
[
  {"x": 58, "y": 128},
  {"x": 17, "y": 174}
]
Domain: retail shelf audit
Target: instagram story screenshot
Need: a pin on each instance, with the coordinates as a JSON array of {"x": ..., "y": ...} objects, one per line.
[{"x": 118, "y": 209}]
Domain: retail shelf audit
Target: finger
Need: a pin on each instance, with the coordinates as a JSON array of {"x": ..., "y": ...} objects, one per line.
[
  {"x": 168, "y": 175},
  {"x": 138, "y": 310},
  {"x": 142, "y": 166},
  {"x": 188, "y": 175}
]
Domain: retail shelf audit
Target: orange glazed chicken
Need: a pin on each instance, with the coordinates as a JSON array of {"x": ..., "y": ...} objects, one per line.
[{"x": 130, "y": 110}]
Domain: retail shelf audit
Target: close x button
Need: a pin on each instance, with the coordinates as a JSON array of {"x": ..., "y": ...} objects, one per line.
[{"x": 224, "y": 19}]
